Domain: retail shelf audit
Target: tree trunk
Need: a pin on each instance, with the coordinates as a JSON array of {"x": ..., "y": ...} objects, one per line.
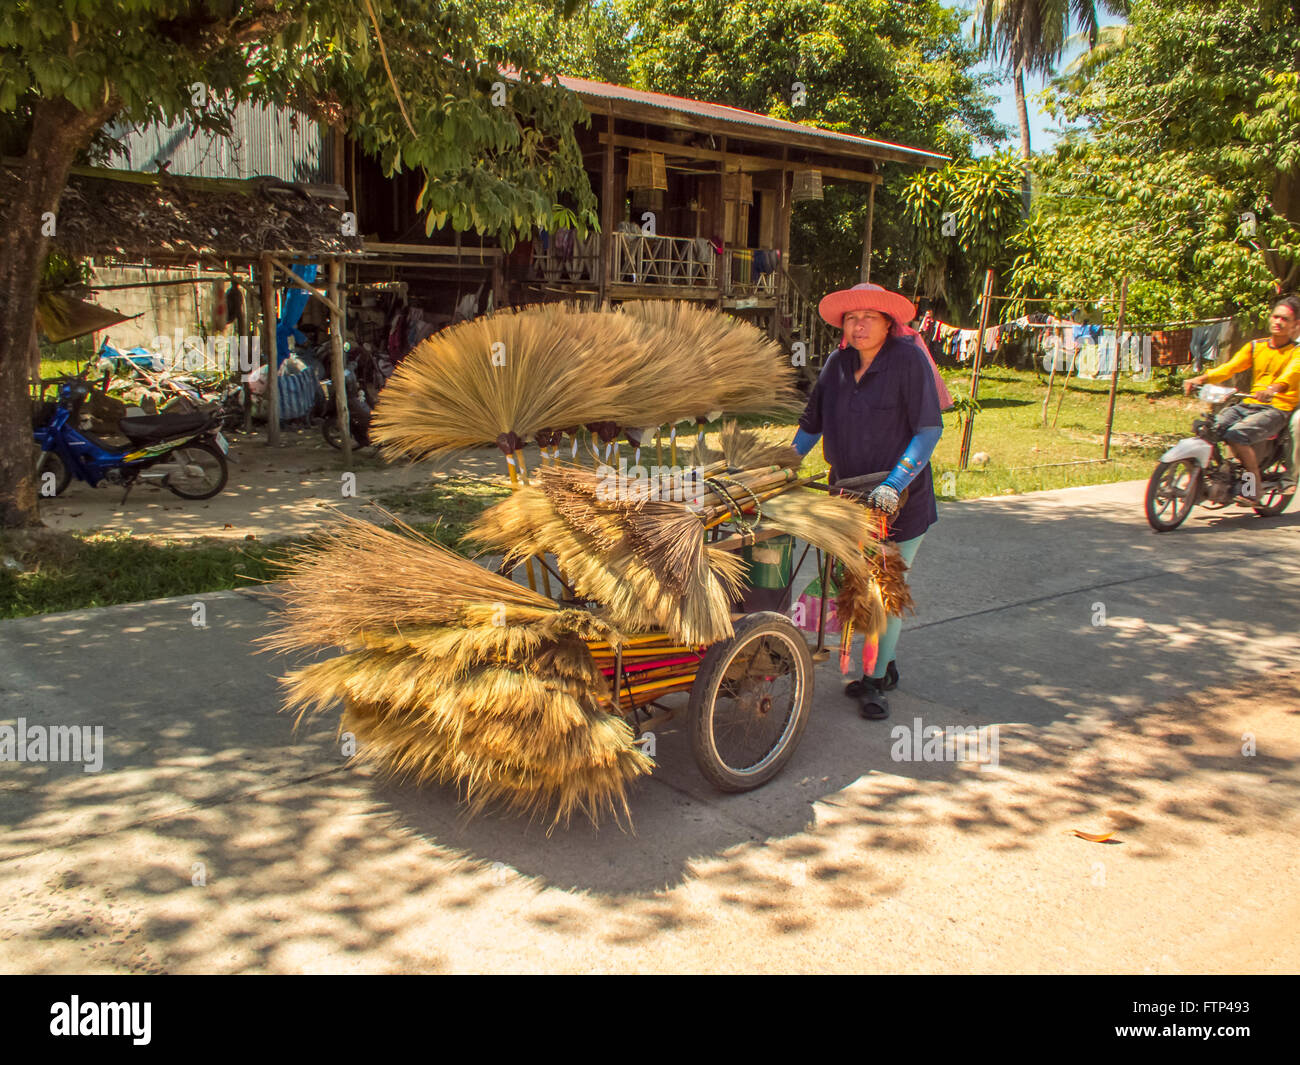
[
  {"x": 1022, "y": 112},
  {"x": 59, "y": 132}
]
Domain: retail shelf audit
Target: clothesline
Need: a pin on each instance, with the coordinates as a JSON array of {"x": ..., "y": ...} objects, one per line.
[
  {"x": 1183, "y": 325},
  {"x": 1056, "y": 299}
]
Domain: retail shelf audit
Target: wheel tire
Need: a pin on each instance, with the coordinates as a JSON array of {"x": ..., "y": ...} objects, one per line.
[
  {"x": 1273, "y": 503},
  {"x": 1164, "y": 477},
  {"x": 206, "y": 448},
  {"x": 52, "y": 462},
  {"x": 747, "y": 689},
  {"x": 329, "y": 429}
]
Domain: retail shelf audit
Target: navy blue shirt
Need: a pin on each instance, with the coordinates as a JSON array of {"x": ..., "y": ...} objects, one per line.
[{"x": 866, "y": 425}]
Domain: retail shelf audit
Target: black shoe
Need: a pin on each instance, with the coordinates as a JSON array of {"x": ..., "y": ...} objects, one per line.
[
  {"x": 889, "y": 681},
  {"x": 873, "y": 706},
  {"x": 857, "y": 688}
]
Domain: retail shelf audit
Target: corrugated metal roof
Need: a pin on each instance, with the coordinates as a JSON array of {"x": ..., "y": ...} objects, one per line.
[{"x": 721, "y": 113}]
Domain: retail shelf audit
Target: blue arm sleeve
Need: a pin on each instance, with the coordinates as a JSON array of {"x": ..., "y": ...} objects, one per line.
[
  {"x": 914, "y": 458},
  {"x": 805, "y": 441}
]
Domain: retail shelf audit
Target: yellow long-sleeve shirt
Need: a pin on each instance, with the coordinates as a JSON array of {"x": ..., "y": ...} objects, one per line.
[{"x": 1268, "y": 366}]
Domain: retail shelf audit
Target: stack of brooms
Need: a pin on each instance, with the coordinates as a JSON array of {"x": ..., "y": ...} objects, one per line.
[{"x": 452, "y": 673}]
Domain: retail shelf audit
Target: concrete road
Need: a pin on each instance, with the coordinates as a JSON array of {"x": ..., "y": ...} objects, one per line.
[{"x": 1140, "y": 685}]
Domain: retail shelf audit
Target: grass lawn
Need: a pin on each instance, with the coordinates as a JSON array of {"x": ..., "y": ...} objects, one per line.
[
  {"x": 1009, "y": 430},
  {"x": 43, "y": 571}
]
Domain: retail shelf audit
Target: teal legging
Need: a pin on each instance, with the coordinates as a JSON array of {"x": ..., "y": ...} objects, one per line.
[{"x": 888, "y": 642}]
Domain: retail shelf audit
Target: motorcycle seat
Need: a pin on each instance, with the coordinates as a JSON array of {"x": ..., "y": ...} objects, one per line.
[{"x": 156, "y": 427}]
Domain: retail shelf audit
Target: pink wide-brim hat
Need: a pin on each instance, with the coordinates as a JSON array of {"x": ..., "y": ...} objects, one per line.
[{"x": 865, "y": 297}]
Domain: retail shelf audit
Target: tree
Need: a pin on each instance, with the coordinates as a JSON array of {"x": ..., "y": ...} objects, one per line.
[
  {"x": 876, "y": 68},
  {"x": 966, "y": 220},
  {"x": 412, "y": 79},
  {"x": 590, "y": 43},
  {"x": 1182, "y": 166},
  {"x": 1029, "y": 37}
]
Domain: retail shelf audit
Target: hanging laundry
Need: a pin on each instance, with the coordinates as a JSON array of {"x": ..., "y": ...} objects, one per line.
[
  {"x": 1171, "y": 347},
  {"x": 1204, "y": 344}
]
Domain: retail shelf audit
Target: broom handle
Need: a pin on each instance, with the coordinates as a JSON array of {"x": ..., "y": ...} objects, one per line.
[
  {"x": 546, "y": 574},
  {"x": 715, "y": 516},
  {"x": 514, "y": 482}
]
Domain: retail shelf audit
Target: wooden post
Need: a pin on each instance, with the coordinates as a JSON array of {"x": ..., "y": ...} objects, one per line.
[
  {"x": 242, "y": 338},
  {"x": 720, "y": 206},
  {"x": 1114, "y": 373},
  {"x": 866, "y": 234},
  {"x": 607, "y": 220},
  {"x": 268, "y": 349},
  {"x": 985, "y": 302},
  {"x": 338, "y": 371},
  {"x": 787, "y": 206}
]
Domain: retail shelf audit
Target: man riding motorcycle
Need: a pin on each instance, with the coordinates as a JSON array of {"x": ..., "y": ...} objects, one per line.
[{"x": 1274, "y": 391}]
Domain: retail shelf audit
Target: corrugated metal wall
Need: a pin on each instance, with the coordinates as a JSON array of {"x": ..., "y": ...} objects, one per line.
[{"x": 268, "y": 141}]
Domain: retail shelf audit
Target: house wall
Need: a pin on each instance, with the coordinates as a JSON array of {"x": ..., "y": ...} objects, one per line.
[
  {"x": 190, "y": 308},
  {"x": 264, "y": 141}
]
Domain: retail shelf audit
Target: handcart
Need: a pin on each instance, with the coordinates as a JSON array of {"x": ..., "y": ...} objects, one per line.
[{"x": 750, "y": 696}]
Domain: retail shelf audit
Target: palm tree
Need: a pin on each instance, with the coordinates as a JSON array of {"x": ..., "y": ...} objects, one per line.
[{"x": 1030, "y": 36}]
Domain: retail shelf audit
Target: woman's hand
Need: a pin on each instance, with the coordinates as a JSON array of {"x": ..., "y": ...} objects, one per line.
[{"x": 884, "y": 499}]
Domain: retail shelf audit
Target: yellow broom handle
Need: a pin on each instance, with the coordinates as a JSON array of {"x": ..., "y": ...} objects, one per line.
[
  {"x": 514, "y": 481},
  {"x": 546, "y": 576}
]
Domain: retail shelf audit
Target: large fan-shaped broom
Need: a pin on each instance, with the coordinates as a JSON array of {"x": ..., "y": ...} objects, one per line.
[{"x": 457, "y": 675}]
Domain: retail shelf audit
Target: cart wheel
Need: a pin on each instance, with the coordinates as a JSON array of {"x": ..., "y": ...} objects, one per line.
[{"x": 750, "y": 702}]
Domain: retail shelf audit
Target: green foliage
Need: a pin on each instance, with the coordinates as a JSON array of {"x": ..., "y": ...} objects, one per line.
[
  {"x": 497, "y": 165},
  {"x": 876, "y": 68},
  {"x": 965, "y": 217},
  {"x": 1182, "y": 167}
]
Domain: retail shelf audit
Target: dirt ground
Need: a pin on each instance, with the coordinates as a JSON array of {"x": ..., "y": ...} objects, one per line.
[{"x": 271, "y": 493}]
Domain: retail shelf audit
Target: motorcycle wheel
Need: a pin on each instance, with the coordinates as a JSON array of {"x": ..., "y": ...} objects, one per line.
[
  {"x": 1275, "y": 500},
  {"x": 1171, "y": 494},
  {"x": 51, "y": 462},
  {"x": 329, "y": 429},
  {"x": 208, "y": 457}
]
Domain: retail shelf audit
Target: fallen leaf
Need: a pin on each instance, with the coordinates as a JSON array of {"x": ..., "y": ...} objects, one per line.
[
  {"x": 1091, "y": 838},
  {"x": 227, "y": 526}
]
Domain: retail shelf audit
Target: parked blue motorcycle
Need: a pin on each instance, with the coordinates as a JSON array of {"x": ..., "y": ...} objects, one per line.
[{"x": 185, "y": 453}]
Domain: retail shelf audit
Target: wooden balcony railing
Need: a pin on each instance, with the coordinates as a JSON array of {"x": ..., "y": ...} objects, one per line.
[
  {"x": 568, "y": 257},
  {"x": 648, "y": 259},
  {"x": 750, "y": 272}
]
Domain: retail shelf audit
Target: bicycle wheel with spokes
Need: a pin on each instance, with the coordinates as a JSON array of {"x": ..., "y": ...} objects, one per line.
[
  {"x": 750, "y": 702},
  {"x": 1171, "y": 493}
]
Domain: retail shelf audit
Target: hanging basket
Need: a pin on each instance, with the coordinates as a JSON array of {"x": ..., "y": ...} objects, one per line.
[
  {"x": 648, "y": 199},
  {"x": 738, "y": 187},
  {"x": 646, "y": 170},
  {"x": 807, "y": 185}
]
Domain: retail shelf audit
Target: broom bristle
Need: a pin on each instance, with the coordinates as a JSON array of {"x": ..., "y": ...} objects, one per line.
[{"x": 524, "y": 370}]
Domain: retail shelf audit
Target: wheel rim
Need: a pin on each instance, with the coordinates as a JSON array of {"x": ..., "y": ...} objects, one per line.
[
  {"x": 756, "y": 707},
  {"x": 205, "y": 461},
  {"x": 1275, "y": 495},
  {"x": 1173, "y": 495}
]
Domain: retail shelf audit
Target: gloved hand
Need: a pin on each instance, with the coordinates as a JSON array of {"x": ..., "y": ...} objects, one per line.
[{"x": 884, "y": 499}]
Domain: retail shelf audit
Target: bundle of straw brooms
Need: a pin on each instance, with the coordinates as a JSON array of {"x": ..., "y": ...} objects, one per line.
[{"x": 455, "y": 674}]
